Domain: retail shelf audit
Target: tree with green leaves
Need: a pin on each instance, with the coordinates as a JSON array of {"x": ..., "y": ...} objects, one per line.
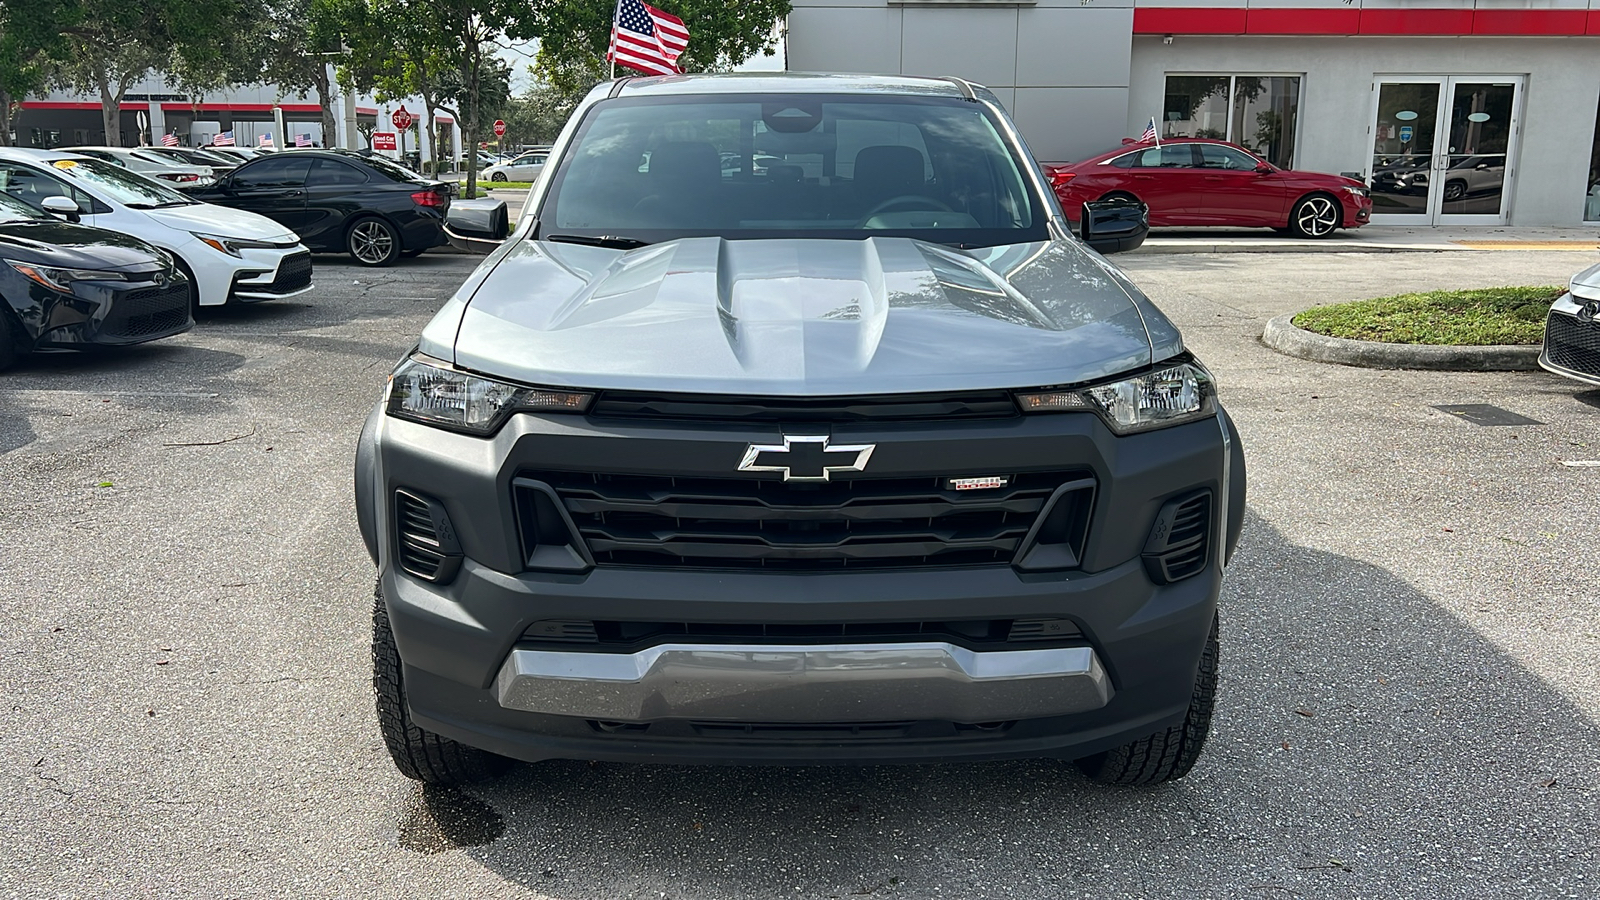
[{"x": 30, "y": 41}]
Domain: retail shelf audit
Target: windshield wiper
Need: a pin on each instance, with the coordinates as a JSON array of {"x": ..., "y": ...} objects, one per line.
[
  {"x": 604, "y": 240},
  {"x": 170, "y": 203}
]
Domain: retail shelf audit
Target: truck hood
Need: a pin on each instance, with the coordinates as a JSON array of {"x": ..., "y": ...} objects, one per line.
[
  {"x": 799, "y": 317},
  {"x": 208, "y": 218}
]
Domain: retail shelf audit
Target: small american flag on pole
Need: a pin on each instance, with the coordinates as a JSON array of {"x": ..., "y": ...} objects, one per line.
[
  {"x": 1150, "y": 134},
  {"x": 170, "y": 139},
  {"x": 647, "y": 39},
  {"x": 224, "y": 139},
  {"x": 302, "y": 140}
]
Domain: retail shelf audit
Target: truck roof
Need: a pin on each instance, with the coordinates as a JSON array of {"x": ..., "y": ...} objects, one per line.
[{"x": 792, "y": 83}]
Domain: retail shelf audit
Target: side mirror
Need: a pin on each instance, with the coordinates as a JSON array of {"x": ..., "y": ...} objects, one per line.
[
  {"x": 1115, "y": 226},
  {"x": 65, "y": 207},
  {"x": 477, "y": 226},
  {"x": 1265, "y": 168}
]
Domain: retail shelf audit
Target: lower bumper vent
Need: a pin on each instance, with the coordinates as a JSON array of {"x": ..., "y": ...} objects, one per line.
[
  {"x": 1180, "y": 542},
  {"x": 426, "y": 541},
  {"x": 1572, "y": 344}
]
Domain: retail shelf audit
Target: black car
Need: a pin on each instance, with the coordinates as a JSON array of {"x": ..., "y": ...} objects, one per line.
[
  {"x": 69, "y": 286},
  {"x": 339, "y": 202}
]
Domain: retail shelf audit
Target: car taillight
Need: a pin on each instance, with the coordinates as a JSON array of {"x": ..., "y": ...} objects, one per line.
[
  {"x": 171, "y": 176},
  {"x": 430, "y": 198},
  {"x": 1060, "y": 177}
]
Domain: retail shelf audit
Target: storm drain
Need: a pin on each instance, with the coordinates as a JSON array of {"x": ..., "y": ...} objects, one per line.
[{"x": 1484, "y": 414}]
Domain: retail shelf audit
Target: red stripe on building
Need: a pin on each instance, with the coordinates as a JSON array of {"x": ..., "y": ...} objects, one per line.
[
  {"x": 366, "y": 110},
  {"x": 242, "y": 107},
  {"x": 1187, "y": 20},
  {"x": 1416, "y": 21},
  {"x": 1302, "y": 21},
  {"x": 1529, "y": 21}
]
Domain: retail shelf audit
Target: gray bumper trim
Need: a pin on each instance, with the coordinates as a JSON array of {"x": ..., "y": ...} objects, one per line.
[{"x": 810, "y": 683}]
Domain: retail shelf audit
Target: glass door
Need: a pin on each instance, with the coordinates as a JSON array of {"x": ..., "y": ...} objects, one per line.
[
  {"x": 1442, "y": 149},
  {"x": 1407, "y": 119}
]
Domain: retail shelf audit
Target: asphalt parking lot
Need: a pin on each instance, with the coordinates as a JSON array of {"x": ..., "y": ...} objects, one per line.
[{"x": 1409, "y": 703}]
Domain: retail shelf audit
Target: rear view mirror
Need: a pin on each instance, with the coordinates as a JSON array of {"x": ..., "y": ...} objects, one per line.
[
  {"x": 1115, "y": 226},
  {"x": 65, "y": 207},
  {"x": 477, "y": 226}
]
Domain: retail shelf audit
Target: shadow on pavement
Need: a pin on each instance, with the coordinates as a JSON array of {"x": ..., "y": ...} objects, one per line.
[{"x": 1366, "y": 743}]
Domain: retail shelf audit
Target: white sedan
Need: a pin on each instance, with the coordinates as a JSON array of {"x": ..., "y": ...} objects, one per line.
[
  {"x": 230, "y": 255},
  {"x": 524, "y": 168}
]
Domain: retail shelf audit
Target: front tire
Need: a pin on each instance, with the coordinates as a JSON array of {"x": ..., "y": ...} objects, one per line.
[
  {"x": 1316, "y": 216},
  {"x": 418, "y": 754},
  {"x": 1168, "y": 754},
  {"x": 498, "y": 176},
  {"x": 13, "y": 340},
  {"x": 373, "y": 243}
]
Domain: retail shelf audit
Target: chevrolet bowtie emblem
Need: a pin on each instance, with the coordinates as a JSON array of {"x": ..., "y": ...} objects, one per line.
[{"x": 806, "y": 458}]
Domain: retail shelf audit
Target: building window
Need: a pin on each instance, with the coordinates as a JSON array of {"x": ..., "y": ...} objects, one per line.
[
  {"x": 1259, "y": 112},
  {"x": 1591, "y": 202}
]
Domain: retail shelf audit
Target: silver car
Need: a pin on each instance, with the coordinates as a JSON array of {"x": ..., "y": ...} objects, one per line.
[
  {"x": 523, "y": 168},
  {"x": 1572, "y": 332},
  {"x": 149, "y": 164}
]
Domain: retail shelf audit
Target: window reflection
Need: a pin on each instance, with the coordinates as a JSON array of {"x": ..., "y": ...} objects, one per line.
[
  {"x": 1591, "y": 203},
  {"x": 1259, "y": 112}
]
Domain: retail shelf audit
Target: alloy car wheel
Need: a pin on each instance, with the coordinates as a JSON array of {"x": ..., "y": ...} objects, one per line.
[
  {"x": 498, "y": 176},
  {"x": 1315, "y": 217},
  {"x": 1454, "y": 190},
  {"x": 373, "y": 242}
]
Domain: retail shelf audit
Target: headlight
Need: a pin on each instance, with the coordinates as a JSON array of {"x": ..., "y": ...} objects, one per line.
[
  {"x": 1358, "y": 191},
  {"x": 232, "y": 246},
  {"x": 61, "y": 279},
  {"x": 430, "y": 391},
  {"x": 1168, "y": 396}
]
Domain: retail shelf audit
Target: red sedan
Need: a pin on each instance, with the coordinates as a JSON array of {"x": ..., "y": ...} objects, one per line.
[{"x": 1194, "y": 181}]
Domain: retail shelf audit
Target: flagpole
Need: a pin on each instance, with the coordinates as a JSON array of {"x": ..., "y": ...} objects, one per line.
[{"x": 616, "y": 14}]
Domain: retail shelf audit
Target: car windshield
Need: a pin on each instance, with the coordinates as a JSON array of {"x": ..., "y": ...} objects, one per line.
[
  {"x": 121, "y": 185},
  {"x": 14, "y": 210},
  {"x": 642, "y": 170}
]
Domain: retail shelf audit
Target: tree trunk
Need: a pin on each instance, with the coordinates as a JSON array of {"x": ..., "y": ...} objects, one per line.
[
  {"x": 110, "y": 110},
  {"x": 469, "y": 128},
  {"x": 5, "y": 119},
  {"x": 330, "y": 129}
]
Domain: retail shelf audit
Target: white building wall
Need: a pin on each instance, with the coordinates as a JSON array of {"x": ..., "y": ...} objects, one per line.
[{"x": 1558, "y": 118}]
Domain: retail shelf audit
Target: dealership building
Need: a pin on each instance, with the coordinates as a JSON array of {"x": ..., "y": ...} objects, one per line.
[{"x": 1456, "y": 112}]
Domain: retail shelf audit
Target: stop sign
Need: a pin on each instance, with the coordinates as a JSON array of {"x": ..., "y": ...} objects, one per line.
[
  {"x": 499, "y": 128},
  {"x": 401, "y": 119}
]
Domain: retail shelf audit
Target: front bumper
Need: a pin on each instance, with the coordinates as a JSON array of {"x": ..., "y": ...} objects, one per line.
[
  {"x": 471, "y": 672},
  {"x": 1572, "y": 339},
  {"x": 106, "y": 313}
]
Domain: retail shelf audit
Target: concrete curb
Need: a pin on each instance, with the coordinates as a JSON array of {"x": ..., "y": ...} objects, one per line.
[
  {"x": 1282, "y": 335},
  {"x": 1170, "y": 245}
]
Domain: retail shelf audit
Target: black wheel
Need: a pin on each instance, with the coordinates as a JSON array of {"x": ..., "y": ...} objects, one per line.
[
  {"x": 1168, "y": 754},
  {"x": 422, "y": 755},
  {"x": 14, "y": 343},
  {"x": 1454, "y": 190},
  {"x": 1316, "y": 216},
  {"x": 498, "y": 176},
  {"x": 194, "y": 286},
  {"x": 373, "y": 242}
]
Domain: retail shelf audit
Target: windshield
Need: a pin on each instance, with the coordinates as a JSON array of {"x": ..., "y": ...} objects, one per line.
[
  {"x": 772, "y": 166},
  {"x": 121, "y": 185},
  {"x": 14, "y": 210}
]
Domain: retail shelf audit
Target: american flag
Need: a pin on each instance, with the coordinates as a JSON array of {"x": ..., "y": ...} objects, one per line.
[
  {"x": 224, "y": 139},
  {"x": 302, "y": 140},
  {"x": 647, "y": 39},
  {"x": 265, "y": 140},
  {"x": 171, "y": 139},
  {"x": 1150, "y": 134}
]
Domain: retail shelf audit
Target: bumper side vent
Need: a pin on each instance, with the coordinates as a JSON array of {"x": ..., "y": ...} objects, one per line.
[
  {"x": 1180, "y": 541},
  {"x": 1043, "y": 630},
  {"x": 1058, "y": 535},
  {"x": 562, "y": 631},
  {"x": 426, "y": 541},
  {"x": 1573, "y": 344},
  {"x": 549, "y": 539}
]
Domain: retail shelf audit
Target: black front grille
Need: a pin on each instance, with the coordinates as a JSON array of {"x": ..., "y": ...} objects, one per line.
[
  {"x": 629, "y": 637},
  {"x": 657, "y": 520},
  {"x": 826, "y": 732},
  {"x": 149, "y": 312},
  {"x": 638, "y": 405},
  {"x": 294, "y": 273},
  {"x": 1572, "y": 344}
]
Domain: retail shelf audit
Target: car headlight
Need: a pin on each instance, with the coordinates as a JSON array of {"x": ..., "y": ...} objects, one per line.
[
  {"x": 1170, "y": 395},
  {"x": 433, "y": 392},
  {"x": 232, "y": 246},
  {"x": 1358, "y": 191},
  {"x": 61, "y": 279}
]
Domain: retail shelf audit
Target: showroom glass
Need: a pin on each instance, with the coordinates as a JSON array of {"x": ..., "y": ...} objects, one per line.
[
  {"x": 660, "y": 168},
  {"x": 1402, "y": 146},
  {"x": 1261, "y": 116},
  {"x": 1591, "y": 200},
  {"x": 1480, "y": 139},
  {"x": 121, "y": 185}
]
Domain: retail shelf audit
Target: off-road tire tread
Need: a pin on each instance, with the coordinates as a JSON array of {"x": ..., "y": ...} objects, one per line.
[
  {"x": 1168, "y": 754},
  {"x": 418, "y": 754}
]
